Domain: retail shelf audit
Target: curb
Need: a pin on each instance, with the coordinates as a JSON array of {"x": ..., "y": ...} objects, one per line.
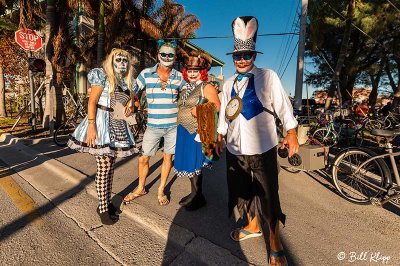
[{"x": 64, "y": 177}]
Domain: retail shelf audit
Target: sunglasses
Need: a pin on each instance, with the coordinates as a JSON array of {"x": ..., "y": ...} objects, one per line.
[
  {"x": 171, "y": 55},
  {"x": 247, "y": 56}
]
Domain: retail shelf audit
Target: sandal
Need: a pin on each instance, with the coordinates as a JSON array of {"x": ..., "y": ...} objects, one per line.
[
  {"x": 132, "y": 196},
  {"x": 163, "y": 200},
  {"x": 246, "y": 233},
  {"x": 277, "y": 255}
]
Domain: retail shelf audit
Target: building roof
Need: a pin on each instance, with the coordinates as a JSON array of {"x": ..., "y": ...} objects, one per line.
[{"x": 215, "y": 61}]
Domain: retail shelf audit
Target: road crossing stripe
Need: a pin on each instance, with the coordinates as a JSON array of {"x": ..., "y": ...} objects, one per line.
[{"x": 20, "y": 198}]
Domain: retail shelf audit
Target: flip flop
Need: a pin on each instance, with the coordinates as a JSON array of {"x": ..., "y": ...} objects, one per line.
[
  {"x": 132, "y": 196},
  {"x": 246, "y": 233},
  {"x": 277, "y": 255},
  {"x": 163, "y": 200}
]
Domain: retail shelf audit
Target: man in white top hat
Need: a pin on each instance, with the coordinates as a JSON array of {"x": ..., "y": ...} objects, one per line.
[{"x": 249, "y": 99}]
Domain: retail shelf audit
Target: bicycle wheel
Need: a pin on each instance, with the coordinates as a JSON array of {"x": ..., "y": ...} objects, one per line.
[
  {"x": 63, "y": 133},
  {"x": 359, "y": 187},
  {"x": 373, "y": 124},
  {"x": 326, "y": 137}
]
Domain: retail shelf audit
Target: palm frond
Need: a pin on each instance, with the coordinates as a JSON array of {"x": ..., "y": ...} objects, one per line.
[{"x": 150, "y": 28}]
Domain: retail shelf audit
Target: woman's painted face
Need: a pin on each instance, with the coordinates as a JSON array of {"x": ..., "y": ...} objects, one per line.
[
  {"x": 120, "y": 63},
  {"x": 193, "y": 75},
  {"x": 166, "y": 56},
  {"x": 243, "y": 62}
]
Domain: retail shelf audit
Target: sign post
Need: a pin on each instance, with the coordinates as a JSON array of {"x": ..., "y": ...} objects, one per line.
[{"x": 29, "y": 40}]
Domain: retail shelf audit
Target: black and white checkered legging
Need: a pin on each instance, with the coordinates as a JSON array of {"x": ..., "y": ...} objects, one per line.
[{"x": 104, "y": 179}]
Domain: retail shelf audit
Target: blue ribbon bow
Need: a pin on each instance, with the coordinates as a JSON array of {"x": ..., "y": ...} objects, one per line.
[
  {"x": 161, "y": 42},
  {"x": 241, "y": 76}
]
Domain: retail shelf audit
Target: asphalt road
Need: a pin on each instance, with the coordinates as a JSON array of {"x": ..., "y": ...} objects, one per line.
[{"x": 321, "y": 228}]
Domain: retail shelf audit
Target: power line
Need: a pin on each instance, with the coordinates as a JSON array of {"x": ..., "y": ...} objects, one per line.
[
  {"x": 393, "y": 5},
  {"x": 287, "y": 47},
  {"x": 290, "y": 59},
  {"x": 225, "y": 37},
  {"x": 286, "y": 28},
  {"x": 289, "y": 40}
]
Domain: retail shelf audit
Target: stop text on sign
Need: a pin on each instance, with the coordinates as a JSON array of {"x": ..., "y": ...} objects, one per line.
[{"x": 28, "y": 39}]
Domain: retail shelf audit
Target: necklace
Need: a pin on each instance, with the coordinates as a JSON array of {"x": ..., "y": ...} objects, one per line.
[{"x": 237, "y": 90}]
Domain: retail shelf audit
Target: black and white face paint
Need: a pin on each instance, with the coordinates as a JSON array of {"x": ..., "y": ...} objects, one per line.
[
  {"x": 166, "y": 55},
  {"x": 120, "y": 63}
]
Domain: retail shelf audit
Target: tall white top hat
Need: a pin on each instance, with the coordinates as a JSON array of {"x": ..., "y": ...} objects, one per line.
[{"x": 245, "y": 34}]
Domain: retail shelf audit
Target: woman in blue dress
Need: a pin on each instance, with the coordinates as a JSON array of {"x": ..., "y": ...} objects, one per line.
[
  {"x": 189, "y": 157},
  {"x": 103, "y": 133}
]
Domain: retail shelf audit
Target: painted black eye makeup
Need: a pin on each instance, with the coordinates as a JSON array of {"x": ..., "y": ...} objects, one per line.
[{"x": 118, "y": 60}]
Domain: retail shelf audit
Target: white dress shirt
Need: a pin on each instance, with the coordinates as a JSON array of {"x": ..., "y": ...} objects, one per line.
[{"x": 257, "y": 135}]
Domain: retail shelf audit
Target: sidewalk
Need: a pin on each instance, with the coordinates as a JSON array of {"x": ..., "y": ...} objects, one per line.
[{"x": 189, "y": 238}]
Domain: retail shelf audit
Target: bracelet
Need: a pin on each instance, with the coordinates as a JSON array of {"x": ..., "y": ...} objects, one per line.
[
  {"x": 91, "y": 119},
  {"x": 92, "y": 122}
]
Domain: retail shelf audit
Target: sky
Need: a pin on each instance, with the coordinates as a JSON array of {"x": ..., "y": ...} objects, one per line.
[{"x": 274, "y": 16}]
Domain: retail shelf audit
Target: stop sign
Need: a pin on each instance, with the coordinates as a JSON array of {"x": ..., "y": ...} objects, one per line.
[{"x": 28, "y": 39}]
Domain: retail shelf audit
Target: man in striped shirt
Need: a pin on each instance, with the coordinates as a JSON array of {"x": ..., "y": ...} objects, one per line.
[{"x": 162, "y": 84}]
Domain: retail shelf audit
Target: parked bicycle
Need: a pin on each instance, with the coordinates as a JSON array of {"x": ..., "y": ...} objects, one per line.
[
  {"x": 64, "y": 131},
  {"x": 362, "y": 176},
  {"x": 330, "y": 134}
]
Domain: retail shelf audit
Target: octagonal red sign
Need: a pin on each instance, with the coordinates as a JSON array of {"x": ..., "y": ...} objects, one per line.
[{"x": 28, "y": 39}]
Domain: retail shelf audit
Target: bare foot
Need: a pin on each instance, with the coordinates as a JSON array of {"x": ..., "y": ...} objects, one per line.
[
  {"x": 162, "y": 199},
  {"x": 244, "y": 233},
  {"x": 278, "y": 258},
  {"x": 134, "y": 194},
  {"x": 277, "y": 254}
]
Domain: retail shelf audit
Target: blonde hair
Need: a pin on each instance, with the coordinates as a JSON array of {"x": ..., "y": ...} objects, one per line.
[{"x": 109, "y": 69}]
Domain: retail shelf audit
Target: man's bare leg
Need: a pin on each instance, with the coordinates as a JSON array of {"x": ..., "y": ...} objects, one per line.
[
  {"x": 143, "y": 169},
  {"x": 253, "y": 227},
  {"x": 165, "y": 170},
  {"x": 276, "y": 245}
]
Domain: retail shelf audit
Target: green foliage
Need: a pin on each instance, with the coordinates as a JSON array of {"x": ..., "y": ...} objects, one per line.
[
  {"x": 6, "y": 24},
  {"x": 375, "y": 38}
]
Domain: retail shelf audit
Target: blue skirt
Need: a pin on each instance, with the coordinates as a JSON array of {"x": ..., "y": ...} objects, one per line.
[
  {"x": 189, "y": 158},
  {"x": 104, "y": 144}
]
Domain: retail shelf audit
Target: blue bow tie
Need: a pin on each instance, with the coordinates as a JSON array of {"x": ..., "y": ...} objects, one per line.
[{"x": 241, "y": 76}]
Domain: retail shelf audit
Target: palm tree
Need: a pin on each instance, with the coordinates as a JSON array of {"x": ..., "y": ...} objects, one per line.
[
  {"x": 170, "y": 21},
  {"x": 342, "y": 56}
]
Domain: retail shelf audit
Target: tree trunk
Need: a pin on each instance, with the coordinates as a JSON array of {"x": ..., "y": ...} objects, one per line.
[
  {"x": 396, "y": 100},
  {"x": 342, "y": 56},
  {"x": 389, "y": 74},
  {"x": 101, "y": 36},
  {"x": 49, "y": 112},
  {"x": 3, "y": 112},
  {"x": 142, "y": 52},
  {"x": 375, "y": 79},
  {"x": 347, "y": 89}
]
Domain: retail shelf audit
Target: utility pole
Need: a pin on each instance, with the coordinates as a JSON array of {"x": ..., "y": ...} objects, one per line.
[
  {"x": 300, "y": 57},
  {"x": 33, "y": 107}
]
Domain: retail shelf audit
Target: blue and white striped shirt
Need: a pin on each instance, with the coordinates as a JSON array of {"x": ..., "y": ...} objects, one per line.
[{"x": 162, "y": 104}]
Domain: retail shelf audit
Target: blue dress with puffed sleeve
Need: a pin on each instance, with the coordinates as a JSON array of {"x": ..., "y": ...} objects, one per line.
[{"x": 115, "y": 138}]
